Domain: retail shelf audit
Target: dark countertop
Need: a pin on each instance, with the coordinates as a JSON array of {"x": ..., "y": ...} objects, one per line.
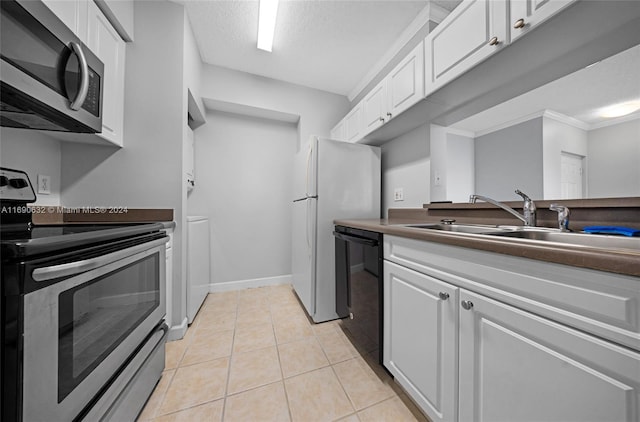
[{"x": 619, "y": 261}]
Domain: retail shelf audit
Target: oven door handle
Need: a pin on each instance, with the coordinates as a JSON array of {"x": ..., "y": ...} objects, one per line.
[
  {"x": 78, "y": 267},
  {"x": 356, "y": 239}
]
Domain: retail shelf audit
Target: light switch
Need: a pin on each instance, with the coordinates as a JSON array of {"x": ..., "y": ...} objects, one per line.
[{"x": 398, "y": 194}]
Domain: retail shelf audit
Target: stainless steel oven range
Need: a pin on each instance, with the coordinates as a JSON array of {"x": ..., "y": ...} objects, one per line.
[{"x": 81, "y": 314}]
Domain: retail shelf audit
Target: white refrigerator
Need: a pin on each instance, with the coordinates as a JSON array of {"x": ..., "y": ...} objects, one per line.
[{"x": 332, "y": 180}]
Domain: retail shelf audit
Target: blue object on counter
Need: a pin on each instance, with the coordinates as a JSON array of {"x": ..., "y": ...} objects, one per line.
[{"x": 626, "y": 231}]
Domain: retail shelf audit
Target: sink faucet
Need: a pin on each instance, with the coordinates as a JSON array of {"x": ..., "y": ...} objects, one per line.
[
  {"x": 563, "y": 216},
  {"x": 529, "y": 207}
]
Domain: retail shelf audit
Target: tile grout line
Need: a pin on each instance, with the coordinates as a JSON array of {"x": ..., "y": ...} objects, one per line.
[
  {"x": 226, "y": 385},
  {"x": 284, "y": 386}
]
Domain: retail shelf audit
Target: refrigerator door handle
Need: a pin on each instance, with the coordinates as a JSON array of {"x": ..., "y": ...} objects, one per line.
[{"x": 305, "y": 198}]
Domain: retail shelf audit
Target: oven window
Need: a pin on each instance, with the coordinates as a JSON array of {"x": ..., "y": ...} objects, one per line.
[{"x": 95, "y": 317}]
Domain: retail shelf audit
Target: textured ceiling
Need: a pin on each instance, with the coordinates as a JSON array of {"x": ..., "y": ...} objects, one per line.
[{"x": 328, "y": 45}]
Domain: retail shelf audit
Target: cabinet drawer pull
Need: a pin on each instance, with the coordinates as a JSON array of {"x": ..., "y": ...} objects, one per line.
[
  {"x": 494, "y": 41},
  {"x": 381, "y": 119},
  {"x": 467, "y": 304},
  {"x": 443, "y": 295},
  {"x": 389, "y": 115},
  {"x": 519, "y": 24}
]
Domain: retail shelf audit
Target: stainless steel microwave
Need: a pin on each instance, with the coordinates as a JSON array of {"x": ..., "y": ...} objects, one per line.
[{"x": 49, "y": 79}]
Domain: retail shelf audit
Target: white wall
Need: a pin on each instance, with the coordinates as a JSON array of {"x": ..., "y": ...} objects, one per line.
[
  {"x": 452, "y": 165},
  {"x": 147, "y": 172},
  {"x": 558, "y": 137},
  {"x": 613, "y": 165},
  {"x": 243, "y": 177},
  {"x": 319, "y": 111},
  {"x": 460, "y": 167},
  {"x": 509, "y": 159},
  {"x": 406, "y": 162},
  {"x": 35, "y": 153}
]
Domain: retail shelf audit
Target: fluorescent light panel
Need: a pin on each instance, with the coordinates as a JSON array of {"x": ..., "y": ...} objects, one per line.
[{"x": 267, "y": 24}]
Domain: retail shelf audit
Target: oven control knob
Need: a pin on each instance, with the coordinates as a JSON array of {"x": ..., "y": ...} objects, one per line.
[
  {"x": 4, "y": 180},
  {"x": 18, "y": 183}
]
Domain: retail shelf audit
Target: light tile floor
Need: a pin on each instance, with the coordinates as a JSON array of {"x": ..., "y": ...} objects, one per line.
[{"x": 253, "y": 355}]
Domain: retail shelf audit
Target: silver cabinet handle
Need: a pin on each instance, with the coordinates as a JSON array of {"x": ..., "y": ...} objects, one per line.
[
  {"x": 381, "y": 119},
  {"x": 494, "y": 41},
  {"x": 467, "y": 304},
  {"x": 443, "y": 295},
  {"x": 519, "y": 24},
  {"x": 78, "y": 267},
  {"x": 389, "y": 115},
  {"x": 77, "y": 102}
]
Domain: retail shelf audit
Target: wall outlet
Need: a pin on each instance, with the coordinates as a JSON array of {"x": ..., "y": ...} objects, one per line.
[
  {"x": 438, "y": 178},
  {"x": 398, "y": 194},
  {"x": 44, "y": 184}
]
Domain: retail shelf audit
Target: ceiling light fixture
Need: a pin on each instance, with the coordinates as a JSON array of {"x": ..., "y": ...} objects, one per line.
[
  {"x": 621, "y": 109},
  {"x": 267, "y": 24}
]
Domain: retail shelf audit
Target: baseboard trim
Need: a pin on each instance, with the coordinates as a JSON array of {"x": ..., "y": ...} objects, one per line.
[
  {"x": 250, "y": 283},
  {"x": 176, "y": 332}
]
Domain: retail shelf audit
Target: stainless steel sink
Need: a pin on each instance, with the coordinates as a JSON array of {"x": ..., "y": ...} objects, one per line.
[
  {"x": 459, "y": 228},
  {"x": 582, "y": 239}
]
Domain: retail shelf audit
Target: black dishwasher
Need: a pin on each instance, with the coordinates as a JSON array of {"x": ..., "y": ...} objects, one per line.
[{"x": 359, "y": 285}]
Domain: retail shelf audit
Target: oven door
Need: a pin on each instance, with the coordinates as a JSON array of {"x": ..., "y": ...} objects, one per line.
[{"x": 79, "y": 332}]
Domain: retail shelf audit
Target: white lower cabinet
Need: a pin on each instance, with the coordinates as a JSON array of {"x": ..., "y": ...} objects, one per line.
[
  {"x": 420, "y": 338},
  {"x": 463, "y": 355},
  {"x": 516, "y": 366}
]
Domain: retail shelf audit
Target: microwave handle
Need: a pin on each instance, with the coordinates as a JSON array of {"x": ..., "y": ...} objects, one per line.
[
  {"x": 78, "y": 267},
  {"x": 84, "y": 76}
]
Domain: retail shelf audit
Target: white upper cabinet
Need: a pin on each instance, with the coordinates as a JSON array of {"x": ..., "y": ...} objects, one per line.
[
  {"x": 399, "y": 90},
  {"x": 405, "y": 83},
  {"x": 338, "y": 132},
  {"x": 190, "y": 160},
  {"x": 475, "y": 30},
  {"x": 107, "y": 44},
  {"x": 72, "y": 13},
  {"x": 526, "y": 14},
  {"x": 374, "y": 107},
  {"x": 353, "y": 124}
]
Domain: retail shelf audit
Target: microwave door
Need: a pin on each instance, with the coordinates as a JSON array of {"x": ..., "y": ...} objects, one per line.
[{"x": 50, "y": 80}]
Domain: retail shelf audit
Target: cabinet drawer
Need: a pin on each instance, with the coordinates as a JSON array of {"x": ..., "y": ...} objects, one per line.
[{"x": 601, "y": 303}]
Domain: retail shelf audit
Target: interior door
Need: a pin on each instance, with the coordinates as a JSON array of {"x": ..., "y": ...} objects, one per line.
[{"x": 572, "y": 174}]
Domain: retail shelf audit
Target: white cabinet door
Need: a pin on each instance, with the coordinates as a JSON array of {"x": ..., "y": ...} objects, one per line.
[
  {"x": 516, "y": 366},
  {"x": 475, "y": 30},
  {"x": 405, "y": 83},
  {"x": 420, "y": 338},
  {"x": 526, "y": 14},
  {"x": 190, "y": 159},
  {"x": 353, "y": 124},
  {"x": 337, "y": 132},
  {"x": 105, "y": 42},
  {"x": 374, "y": 107},
  {"x": 72, "y": 13}
]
